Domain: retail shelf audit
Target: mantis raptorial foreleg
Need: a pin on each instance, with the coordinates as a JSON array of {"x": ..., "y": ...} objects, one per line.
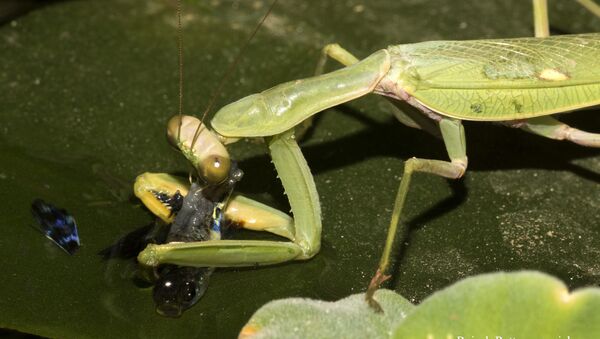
[
  {"x": 252, "y": 215},
  {"x": 300, "y": 188},
  {"x": 158, "y": 190}
]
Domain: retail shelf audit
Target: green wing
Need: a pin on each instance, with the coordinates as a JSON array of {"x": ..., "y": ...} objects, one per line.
[{"x": 503, "y": 79}]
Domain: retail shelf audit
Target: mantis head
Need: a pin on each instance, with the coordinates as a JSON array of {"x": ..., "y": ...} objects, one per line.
[{"x": 200, "y": 146}]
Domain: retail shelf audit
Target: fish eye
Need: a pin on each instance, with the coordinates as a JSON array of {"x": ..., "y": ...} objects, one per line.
[
  {"x": 165, "y": 297},
  {"x": 188, "y": 291},
  {"x": 237, "y": 175}
]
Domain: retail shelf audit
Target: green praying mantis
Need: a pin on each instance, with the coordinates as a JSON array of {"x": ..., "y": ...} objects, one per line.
[{"x": 519, "y": 82}]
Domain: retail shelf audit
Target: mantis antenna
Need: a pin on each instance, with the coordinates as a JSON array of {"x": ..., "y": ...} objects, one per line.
[
  {"x": 228, "y": 72},
  {"x": 180, "y": 47}
]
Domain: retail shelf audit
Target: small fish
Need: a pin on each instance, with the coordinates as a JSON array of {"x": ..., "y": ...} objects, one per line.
[{"x": 57, "y": 225}]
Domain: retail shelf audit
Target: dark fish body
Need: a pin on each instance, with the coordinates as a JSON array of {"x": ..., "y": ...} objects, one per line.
[
  {"x": 199, "y": 219},
  {"x": 200, "y": 213}
]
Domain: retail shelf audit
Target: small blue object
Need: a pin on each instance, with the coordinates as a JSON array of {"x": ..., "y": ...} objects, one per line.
[
  {"x": 217, "y": 220},
  {"x": 57, "y": 225}
]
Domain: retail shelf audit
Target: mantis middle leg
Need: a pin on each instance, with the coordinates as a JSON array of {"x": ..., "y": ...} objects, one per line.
[
  {"x": 453, "y": 134},
  {"x": 454, "y": 139}
]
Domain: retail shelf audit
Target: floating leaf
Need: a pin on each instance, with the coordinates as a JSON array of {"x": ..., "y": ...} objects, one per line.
[
  {"x": 498, "y": 305},
  {"x": 350, "y": 317},
  {"x": 506, "y": 305}
]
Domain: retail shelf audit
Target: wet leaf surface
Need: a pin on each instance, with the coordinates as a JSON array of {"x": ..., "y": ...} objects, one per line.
[{"x": 88, "y": 86}]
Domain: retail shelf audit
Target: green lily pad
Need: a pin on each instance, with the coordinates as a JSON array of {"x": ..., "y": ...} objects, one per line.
[
  {"x": 497, "y": 305},
  {"x": 350, "y": 317},
  {"x": 507, "y": 305},
  {"x": 86, "y": 90}
]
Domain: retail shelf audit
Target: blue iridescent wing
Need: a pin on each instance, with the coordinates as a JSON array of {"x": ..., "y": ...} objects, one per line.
[{"x": 57, "y": 225}]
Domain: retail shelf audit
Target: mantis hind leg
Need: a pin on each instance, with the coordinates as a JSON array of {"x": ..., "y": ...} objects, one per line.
[
  {"x": 540, "y": 18},
  {"x": 454, "y": 139},
  {"x": 549, "y": 127},
  {"x": 591, "y": 6},
  {"x": 540, "y": 15}
]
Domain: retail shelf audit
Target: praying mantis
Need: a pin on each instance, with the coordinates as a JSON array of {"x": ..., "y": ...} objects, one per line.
[{"x": 516, "y": 82}]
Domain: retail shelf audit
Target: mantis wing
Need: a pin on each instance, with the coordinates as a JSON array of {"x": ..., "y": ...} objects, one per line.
[{"x": 502, "y": 79}]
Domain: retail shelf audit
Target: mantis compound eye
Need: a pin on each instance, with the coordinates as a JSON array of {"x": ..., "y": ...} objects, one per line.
[
  {"x": 215, "y": 168},
  {"x": 200, "y": 146}
]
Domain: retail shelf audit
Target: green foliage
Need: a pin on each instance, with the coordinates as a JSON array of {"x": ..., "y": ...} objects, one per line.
[
  {"x": 350, "y": 317},
  {"x": 498, "y": 305}
]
